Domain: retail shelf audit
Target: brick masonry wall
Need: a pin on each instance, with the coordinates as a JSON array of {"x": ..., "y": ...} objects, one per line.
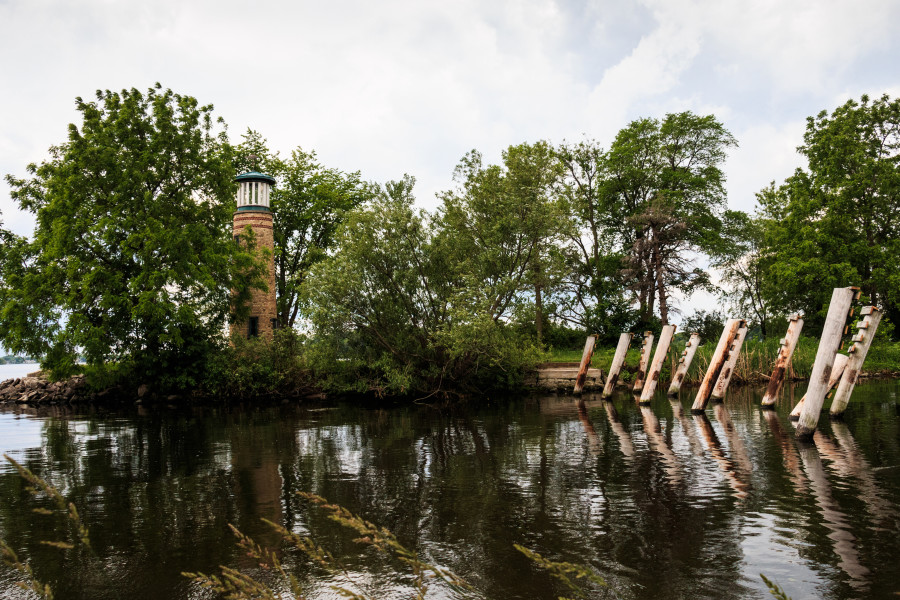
[{"x": 262, "y": 304}]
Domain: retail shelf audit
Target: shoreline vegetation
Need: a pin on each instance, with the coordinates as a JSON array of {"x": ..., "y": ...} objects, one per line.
[
  {"x": 377, "y": 297},
  {"x": 280, "y": 372}
]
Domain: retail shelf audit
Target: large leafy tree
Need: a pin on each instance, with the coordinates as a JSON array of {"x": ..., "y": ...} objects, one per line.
[
  {"x": 837, "y": 223},
  {"x": 310, "y": 201},
  {"x": 663, "y": 198},
  {"x": 132, "y": 261},
  {"x": 592, "y": 291},
  {"x": 501, "y": 225}
]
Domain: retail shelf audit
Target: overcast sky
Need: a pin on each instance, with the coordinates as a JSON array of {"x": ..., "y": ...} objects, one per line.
[{"x": 401, "y": 86}]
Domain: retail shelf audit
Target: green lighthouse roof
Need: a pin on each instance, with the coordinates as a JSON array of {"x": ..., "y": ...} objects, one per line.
[{"x": 255, "y": 176}]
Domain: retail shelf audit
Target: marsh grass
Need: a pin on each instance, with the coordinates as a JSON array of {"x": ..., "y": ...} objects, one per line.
[{"x": 78, "y": 531}]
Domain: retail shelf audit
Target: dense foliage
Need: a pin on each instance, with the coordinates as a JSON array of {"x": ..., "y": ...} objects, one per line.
[
  {"x": 831, "y": 225},
  {"x": 394, "y": 310},
  {"x": 131, "y": 262}
]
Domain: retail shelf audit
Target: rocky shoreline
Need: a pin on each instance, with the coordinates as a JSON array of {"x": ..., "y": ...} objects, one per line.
[{"x": 34, "y": 388}]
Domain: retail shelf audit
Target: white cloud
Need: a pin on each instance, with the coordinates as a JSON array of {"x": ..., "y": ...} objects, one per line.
[
  {"x": 767, "y": 153},
  {"x": 401, "y": 86}
]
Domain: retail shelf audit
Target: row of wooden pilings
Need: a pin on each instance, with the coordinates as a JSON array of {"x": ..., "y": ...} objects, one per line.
[{"x": 831, "y": 368}]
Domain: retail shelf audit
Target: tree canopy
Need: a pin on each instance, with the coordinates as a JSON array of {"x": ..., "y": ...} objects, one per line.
[
  {"x": 132, "y": 261},
  {"x": 837, "y": 222}
]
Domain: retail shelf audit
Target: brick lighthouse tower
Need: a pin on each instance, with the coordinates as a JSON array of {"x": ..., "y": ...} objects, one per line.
[{"x": 254, "y": 190}]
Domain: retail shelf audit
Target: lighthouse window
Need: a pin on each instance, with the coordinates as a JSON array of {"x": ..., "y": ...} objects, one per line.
[
  {"x": 253, "y": 329},
  {"x": 274, "y": 324}
]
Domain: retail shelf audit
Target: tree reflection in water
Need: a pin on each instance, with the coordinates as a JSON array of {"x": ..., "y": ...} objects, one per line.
[{"x": 663, "y": 505}]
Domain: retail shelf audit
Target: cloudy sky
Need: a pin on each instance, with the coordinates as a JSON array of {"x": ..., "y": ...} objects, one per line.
[{"x": 402, "y": 86}]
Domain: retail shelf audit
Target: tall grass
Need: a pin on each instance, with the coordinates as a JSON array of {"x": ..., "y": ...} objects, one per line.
[{"x": 754, "y": 365}]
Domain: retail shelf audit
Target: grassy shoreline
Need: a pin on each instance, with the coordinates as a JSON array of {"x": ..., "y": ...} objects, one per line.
[{"x": 754, "y": 365}]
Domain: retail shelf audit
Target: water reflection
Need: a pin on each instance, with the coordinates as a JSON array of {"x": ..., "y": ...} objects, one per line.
[
  {"x": 625, "y": 444},
  {"x": 843, "y": 540},
  {"x": 736, "y": 479},
  {"x": 658, "y": 444},
  {"x": 664, "y": 504}
]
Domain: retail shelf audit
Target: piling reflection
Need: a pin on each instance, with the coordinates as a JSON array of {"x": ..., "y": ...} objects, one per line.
[
  {"x": 625, "y": 443},
  {"x": 589, "y": 430},
  {"x": 848, "y": 462},
  {"x": 687, "y": 427},
  {"x": 658, "y": 444},
  {"x": 735, "y": 478},
  {"x": 841, "y": 536}
]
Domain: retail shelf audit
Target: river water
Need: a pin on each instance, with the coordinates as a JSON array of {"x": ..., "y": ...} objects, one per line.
[{"x": 661, "y": 503}]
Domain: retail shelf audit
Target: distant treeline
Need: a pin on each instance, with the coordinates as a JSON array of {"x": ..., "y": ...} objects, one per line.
[
  {"x": 375, "y": 295},
  {"x": 15, "y": 360}
]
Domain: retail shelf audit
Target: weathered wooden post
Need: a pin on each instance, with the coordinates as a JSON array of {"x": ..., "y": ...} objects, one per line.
[
  {"x": 617, "y": 362},
  {"x": 861, "y": 342},
  {"x": 715, "y": 364},
  {"x": 838, "y": 311},
  {"x": 684, "y": 363},
  {"x": 788, "y": 345},
  {"x": 585, "y": 363},
  {"x": 734, "y": 351},
  {"x": 837, "y": 369},
  {"x": 662, "y": 349},
  {"x": 646, "y": 349}
]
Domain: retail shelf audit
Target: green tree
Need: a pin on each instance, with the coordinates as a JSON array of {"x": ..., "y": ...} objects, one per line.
[
  {"x": 836, "y": 223},
  {"x": 394, "y": 310},
  {"x": 663, "y": 198},
  {"x": 132, "y": 261},
  {"x": 743, "y": 263},
  {"x": 310, "y": 202},
  {"x": 592, "y": 291},
  {"x": 501, "y": 226}
]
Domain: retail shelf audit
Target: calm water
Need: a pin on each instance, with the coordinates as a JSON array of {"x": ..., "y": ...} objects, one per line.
[{"x": 661, "y": 503}]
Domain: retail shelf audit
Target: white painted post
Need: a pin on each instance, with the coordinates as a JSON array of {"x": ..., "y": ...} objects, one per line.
[
  {"x": 715, "y": 364},
  {"x": 684, "y": 363},
  {"x": 861, "y": 342},
  {"x": 838, "y": 311},
  {"x": 837, "y": 369},
  {"x": 585, "y": 363},
  {"x": 734, "y": 351},
  {"x": 788, "y": 345},
  {"x": 646, "y": 349},
  {"x": 617, "y": 362},
  {"x": 662, "y": 349}
]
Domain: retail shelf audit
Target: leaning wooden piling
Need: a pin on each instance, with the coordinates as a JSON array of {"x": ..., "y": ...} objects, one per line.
[
  {"x": 585, "y": 363},
  {"x": 837, "y": 370},
  {"x": 715, "y": 364},
  {"x": 684, "y": 363},
  {"x": 662, "y": 349},
  {"x": 734, "y": 351},
  {"x": 838, "y": 311},
  {"x": 617, "y": 362},
  {"x": 861, "y": 342},
  {"x": 646, "y": 349},
  {"x": 788, "y": 345}
]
